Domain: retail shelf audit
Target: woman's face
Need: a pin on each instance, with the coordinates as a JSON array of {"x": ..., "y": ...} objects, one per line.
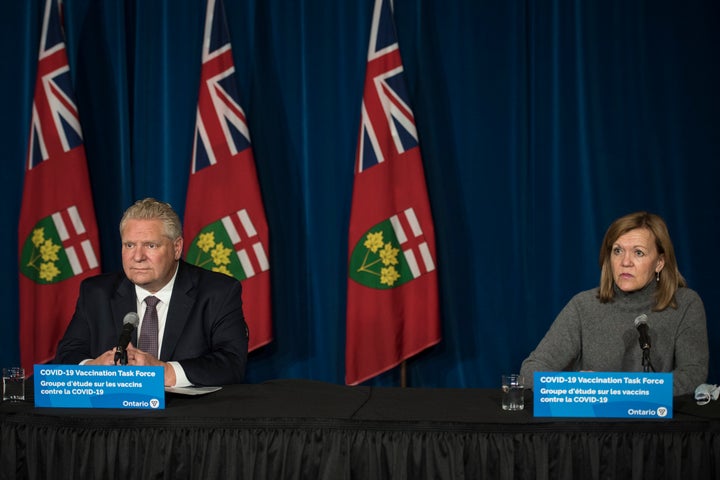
[{"x": 635, "y": 260}]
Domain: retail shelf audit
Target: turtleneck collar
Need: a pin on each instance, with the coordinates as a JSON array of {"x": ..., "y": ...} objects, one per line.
[{"x": 638, "y": 300}]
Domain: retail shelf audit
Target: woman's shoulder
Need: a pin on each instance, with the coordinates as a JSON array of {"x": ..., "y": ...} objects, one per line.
[
  {"x": 686, "y": 295},
  {"x": 587, "y": 295},
  {"x": 583, "y": 300}
]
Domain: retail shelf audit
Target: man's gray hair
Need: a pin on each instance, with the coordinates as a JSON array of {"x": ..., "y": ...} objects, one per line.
[{"x": 151, "y": 209}]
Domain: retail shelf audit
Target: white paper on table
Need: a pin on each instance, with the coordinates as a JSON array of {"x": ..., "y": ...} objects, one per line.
[{"x": 192, "y": 390}]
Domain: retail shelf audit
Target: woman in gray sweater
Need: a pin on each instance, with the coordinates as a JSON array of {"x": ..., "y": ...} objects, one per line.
[{"x": 596, "y": 330}]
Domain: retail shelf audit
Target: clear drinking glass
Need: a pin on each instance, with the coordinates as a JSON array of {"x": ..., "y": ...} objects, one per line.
[
  {"x": 13, "y": 384},
  {"x": 513, "y": 387}
]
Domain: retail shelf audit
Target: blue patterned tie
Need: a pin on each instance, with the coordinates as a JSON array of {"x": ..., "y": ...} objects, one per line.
[{"x": 148, "y": 341}]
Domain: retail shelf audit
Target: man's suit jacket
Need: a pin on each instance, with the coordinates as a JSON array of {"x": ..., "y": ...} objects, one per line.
[{"x": 205, "y": 328}]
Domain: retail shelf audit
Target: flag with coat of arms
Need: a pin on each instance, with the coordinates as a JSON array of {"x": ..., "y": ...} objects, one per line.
[
  {"x": 392, "y": 296},
  {"x": 224, "y": 214},
  {"x": 57, "y": 233}
]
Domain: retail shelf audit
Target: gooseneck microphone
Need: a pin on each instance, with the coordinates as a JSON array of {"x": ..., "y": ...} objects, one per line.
[
  {"x": 644, "y": 340},
  {"x": 642, "y": 328},
  {"x": 130, "y": 323}
]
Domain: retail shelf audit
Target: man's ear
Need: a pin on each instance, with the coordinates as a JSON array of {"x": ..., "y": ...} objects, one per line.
[{"x": 178, "y": 246}]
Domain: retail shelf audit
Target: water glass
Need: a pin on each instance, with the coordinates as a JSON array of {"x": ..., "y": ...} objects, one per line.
[
  {"x": 13, "y": 384},
  {"x": 513, "y": 387}
]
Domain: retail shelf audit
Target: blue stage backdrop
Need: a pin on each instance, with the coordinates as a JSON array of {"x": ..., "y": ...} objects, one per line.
[{"x": 540, "y": 122}]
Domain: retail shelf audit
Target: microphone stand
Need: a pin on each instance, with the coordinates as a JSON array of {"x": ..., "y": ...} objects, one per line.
[{"x": 646, "y": 363}]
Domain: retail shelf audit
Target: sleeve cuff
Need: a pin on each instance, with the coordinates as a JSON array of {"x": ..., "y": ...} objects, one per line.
[{"x": 181, "y": 379}]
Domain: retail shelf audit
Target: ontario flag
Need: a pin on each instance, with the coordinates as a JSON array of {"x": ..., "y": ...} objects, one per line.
[
  {"x": 224, "y": 214},
  {"x": 392, "y": 301},
  {"x": 57, "y": 233}
]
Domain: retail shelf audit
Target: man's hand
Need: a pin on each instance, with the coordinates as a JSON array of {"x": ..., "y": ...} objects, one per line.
[
  {"x": 140, "y": 358},
  {"x": 107, "y": 358}
]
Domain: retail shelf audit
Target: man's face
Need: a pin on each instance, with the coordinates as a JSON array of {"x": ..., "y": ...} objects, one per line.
[{"x": 149, "y": 257}]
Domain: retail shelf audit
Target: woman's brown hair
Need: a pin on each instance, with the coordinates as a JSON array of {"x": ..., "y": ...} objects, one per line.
[{"x": 669, "y": 278}]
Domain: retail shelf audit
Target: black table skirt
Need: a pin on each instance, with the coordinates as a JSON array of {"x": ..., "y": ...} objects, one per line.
[{"x": 295, "y": 429}]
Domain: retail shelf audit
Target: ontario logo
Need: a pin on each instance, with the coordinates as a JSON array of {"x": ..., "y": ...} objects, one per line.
[
  {"x": 231, "y": 246},
  {"x": 57, "y": 248},
  {"x": 391, "y": 253}
]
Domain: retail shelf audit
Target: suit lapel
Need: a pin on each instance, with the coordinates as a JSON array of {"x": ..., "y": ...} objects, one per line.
[
  {"x": 181, "y": 303},
  {"x": 122, "y": 303}
]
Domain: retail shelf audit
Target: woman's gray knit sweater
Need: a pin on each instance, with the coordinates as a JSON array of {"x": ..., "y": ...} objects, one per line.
[{"x": 593, "y": 336}]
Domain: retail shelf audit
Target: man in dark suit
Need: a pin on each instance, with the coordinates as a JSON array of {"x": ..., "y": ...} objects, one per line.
[{"x": 193, "y": 322}]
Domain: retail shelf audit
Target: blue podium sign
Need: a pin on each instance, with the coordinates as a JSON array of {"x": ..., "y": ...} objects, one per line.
[
  {"x": 94, "y": 386},
  {"x": 603, "y": 394}
]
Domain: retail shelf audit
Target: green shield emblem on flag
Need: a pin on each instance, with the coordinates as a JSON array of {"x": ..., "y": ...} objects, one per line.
[
  {"x": 377, "y": 260},
  {"x": 213, "y": 250},
  {"x": 43, "y": 258}
]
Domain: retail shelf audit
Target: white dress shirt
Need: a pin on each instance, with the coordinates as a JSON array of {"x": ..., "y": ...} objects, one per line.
[{"x": 164, "y": 295}]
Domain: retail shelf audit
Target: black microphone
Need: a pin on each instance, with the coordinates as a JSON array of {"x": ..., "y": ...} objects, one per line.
[
  {"x": 642, "y": 328},
  {"x": 130, "y": 323}
]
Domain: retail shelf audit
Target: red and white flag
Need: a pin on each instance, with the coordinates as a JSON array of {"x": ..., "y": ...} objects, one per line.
[
  {"x": 392, "y": 302},
  {"x": 57, "y": 233},
  {"x": 224, "y": 214}
]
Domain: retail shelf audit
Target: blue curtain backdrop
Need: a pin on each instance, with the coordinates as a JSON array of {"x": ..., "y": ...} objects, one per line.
[{"x": 540, "y": 122}]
